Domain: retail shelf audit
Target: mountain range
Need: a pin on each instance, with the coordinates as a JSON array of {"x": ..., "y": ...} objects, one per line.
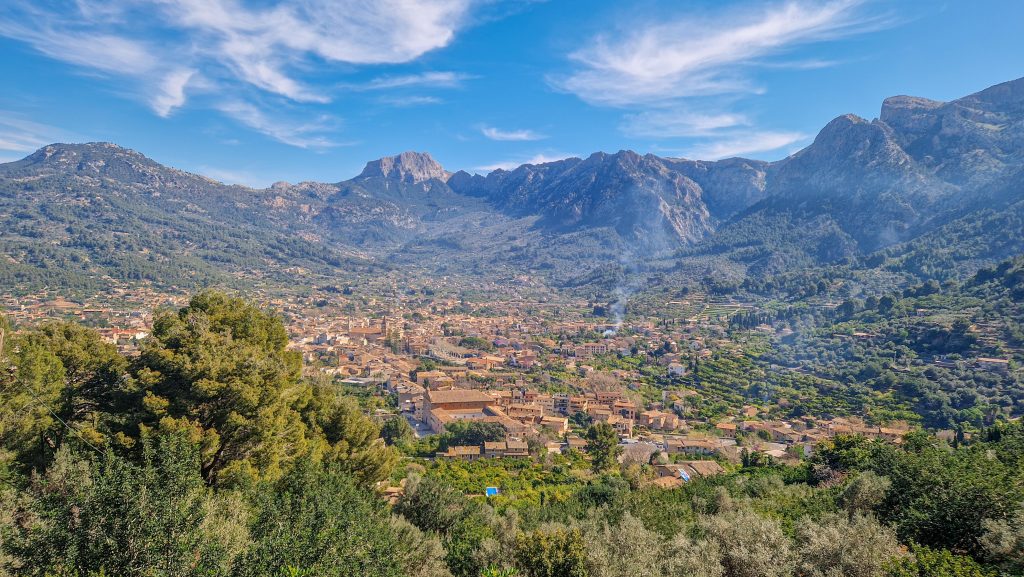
[{"x": 932, "y": 187}]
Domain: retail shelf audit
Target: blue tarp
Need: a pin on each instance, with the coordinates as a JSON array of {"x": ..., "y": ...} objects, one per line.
[{"x": 491, "y": 491}]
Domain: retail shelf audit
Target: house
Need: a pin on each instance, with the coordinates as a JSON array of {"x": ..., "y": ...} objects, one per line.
[
  {"x": 785, "y": 435},
  {"x": 591, "y": 349},
  {"x": 560, "y": 403},
  {"x": 480, "y": 363},
  {"x": 494, "y": 449},
  {"x": 553, "y": 447},
  {"x": 677, "y": 370},
  {"x": 577, "y": 405},
  {"x": 457, "y": 399},
  {"x": 625, "y": 409},
  {"x": 424, "y": 378},
  {"x": 463, "y": 452},
  {"x": 622, "y": 426},
  {"x": 705, "y": 468},
  {"x": 668, "y": 482},
  {"x": 442, "y": 407},
  {"x": 529, "y": 412},
  {"x": 727, "y": 430},
  {"x": 691, "y": 446},
  {"x": 577, "y": 443},
  {"x": 560, "y": 425},
  {"x": 891, "y": 435},
  {"x": 516, "y": 449},
  {"x": 659, "y": 420}
]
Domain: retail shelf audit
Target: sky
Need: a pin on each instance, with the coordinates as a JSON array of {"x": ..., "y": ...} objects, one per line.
[{"x": 254, "y": 92}]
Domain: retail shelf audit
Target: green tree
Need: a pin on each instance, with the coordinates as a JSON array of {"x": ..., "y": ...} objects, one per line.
[
  {"x": 623, "y": 549},
  {"x": 69, "y": 385},
  {"x": 343, "y": 434},
  {"x": 152, "y": 518},
  {"x": 463, "y": 525},
  {"x": 420, "y": 554},
  {"x": 1003, "y": 542},
  {"x": 602, "y": 446},
  {"x": 471, "y": 433},
  {"x": 397, "y": 431},
  {"x": 316, "y": 519},
  {"x": 865, "y": 492},
  {"x": 941, "y": 498},
  {"x": 222, "y": 365},
  {"x": 840, "y": 545},
  {"x": 431, "y": 505},
  {"x": 693, "y": 558},
  {"x": 925, "y": 562},
  {"x": 750, "y": 545},
  {"x": 553, "y": 552}
]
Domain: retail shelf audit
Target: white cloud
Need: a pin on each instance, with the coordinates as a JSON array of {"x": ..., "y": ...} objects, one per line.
[
  {"x": 679, "y": 123},
  {"x": 99, "y": 51},
  {"x": 683, "y": 77},
  {"x": 172, "y": 50},
  {"x": 412, "y": 100},
  {"x": 172, "y": 92},
  {"x": 743, "y": 144},
  {"x": 510, "y": 135},
  {"x": 22, "y": 136},
  {"x": 230, "y": 176},
  {"x": 428, "y": 79},
  {"x": 303, "y": 135},
  {"x": 262, "y": 45},
  {"x": 515, "y": 163},
  {"x": 666, "y": 61}
]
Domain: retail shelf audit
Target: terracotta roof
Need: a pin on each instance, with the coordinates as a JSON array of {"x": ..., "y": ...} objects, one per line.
[{"x": 459, "y": 396}]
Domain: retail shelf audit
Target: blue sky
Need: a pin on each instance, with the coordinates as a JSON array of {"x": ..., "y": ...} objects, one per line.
[{"x": 259, "y": 91}]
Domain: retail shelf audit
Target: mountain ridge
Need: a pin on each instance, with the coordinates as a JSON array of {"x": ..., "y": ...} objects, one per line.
[{"x": 861, "y": 186}]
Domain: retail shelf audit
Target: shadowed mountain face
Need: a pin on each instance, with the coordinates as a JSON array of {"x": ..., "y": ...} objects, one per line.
[
  {"x": 90, "y": 210},
  {"x": 647, "y": 203},
  {"x": 866, "y": 185}
]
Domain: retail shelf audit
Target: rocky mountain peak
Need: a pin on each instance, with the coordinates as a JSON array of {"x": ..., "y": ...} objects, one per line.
[
  {"x": 102, "y": 160},
  {"x": 910, "y": 116},
  {"x": 1007, "y": 96},
  {"x": 408, "y": 167},
  {"x": 63, "y": 154}
]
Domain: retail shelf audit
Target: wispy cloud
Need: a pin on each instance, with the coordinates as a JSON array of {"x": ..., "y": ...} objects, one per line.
[
  {"x": 749, "y": 143},
  {"x": 684, "y": 77},
  {"x": 426, "y": 79},
  {"x": 693, "y": 56},
  {"x": 231, "y": 176},
  {"x": 517, "y": 162},
  {"x": 510, "y": 135},
  {"x": 411, "y": 100},
  {"x": 679, "y": 123},
  {"x": 311, "y": 135},
  {"x": 172, "y": 91},
  {"x": 19, "y": 136},
  {"x": 172, "y": 50}
]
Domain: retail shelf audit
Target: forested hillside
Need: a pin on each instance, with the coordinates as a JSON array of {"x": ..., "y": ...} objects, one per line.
[{"x": 939, "y": 349}]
